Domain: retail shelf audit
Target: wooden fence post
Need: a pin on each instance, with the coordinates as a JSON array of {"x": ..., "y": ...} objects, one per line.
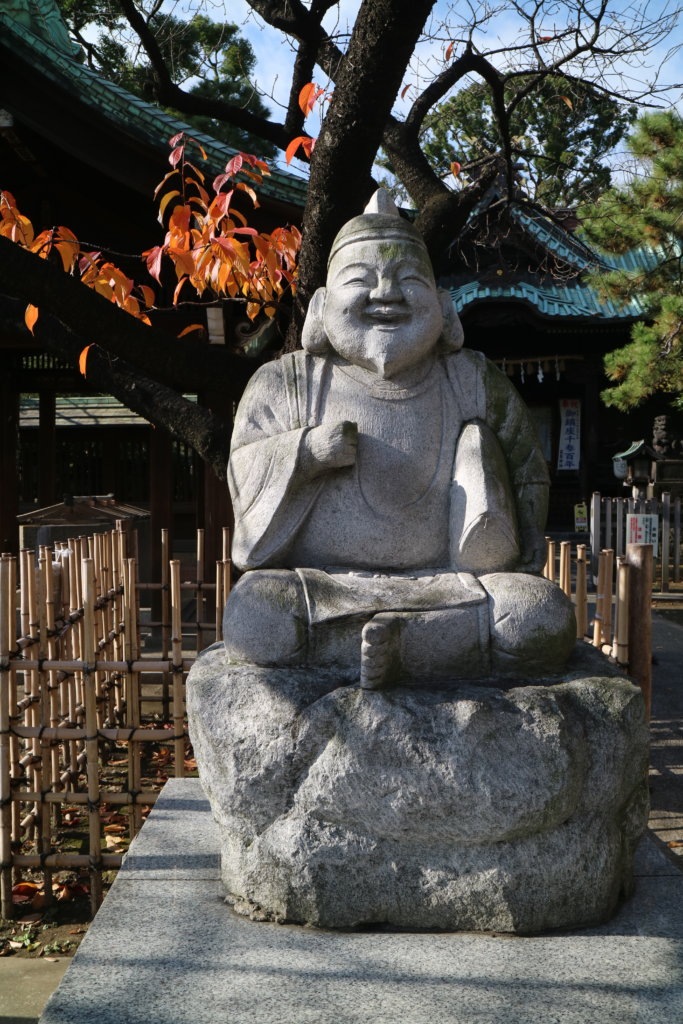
[
  {"x": 581, "y": 592},
  {"x": 665, "y": 540},
  {"x": 639, "y": 560},
  {"x": 595, "y": 534}
]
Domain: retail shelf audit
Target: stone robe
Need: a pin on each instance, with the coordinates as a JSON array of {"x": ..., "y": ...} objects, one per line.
[{"x": 403, "y": 505}]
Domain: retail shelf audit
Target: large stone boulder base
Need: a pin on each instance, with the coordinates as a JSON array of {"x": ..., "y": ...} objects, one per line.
[{"x": 469, "y": 808}]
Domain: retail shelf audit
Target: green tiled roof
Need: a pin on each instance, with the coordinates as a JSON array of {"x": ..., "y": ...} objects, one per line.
[
  {"x": 551, "y": 299},
  {"x": 82, "y": 411},
  {"x": 554, "y": 298},
  {"x": 131, "y": 114}
]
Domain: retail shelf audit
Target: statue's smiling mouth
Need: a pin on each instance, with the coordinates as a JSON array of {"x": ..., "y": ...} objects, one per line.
[{"x": 386, "y": 316}]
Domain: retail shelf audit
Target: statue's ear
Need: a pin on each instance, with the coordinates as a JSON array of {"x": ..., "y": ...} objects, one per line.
[
  {"x": 452, "y": 336},
  {"x": 313, "y": 337}
]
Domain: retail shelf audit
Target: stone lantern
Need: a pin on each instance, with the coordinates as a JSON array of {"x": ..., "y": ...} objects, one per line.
[{"x": 636, "y": 467}]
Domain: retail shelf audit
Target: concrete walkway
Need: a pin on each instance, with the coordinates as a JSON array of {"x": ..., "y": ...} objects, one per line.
[{"x": 630, "y": 971}]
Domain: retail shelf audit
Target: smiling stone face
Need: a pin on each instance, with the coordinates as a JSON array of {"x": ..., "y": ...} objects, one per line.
[{"x": 382, "y": 310}]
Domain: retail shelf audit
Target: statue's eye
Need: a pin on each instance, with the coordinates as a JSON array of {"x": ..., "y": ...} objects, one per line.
[
  {"x": 359, "y": 281},
  {"x": 412, "y": 277}
]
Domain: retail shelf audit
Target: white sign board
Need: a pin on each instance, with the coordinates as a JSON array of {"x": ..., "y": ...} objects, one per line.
[
  {"x": 569, "y": 448},
  {"x": 643, "y": 530}
]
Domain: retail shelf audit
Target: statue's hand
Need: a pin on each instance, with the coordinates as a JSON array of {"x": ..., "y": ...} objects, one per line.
[{"x": 330, "y": 447}]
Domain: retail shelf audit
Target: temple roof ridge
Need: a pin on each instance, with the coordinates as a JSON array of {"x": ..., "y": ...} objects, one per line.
[
  {"x": 23, "y": 31},
  {"x": 43, "y": 19}
]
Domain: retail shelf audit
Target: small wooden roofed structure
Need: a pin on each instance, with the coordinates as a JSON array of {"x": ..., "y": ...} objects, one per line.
[
  {"x": 520, "y": 279},
  {"x": 78, "y": 150}
]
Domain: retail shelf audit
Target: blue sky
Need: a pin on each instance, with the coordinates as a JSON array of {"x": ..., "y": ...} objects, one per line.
[{"x": 274, "y": 56}]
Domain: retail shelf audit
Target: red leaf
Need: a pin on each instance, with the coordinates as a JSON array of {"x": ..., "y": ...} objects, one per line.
[
  {"x": 455, "y": 168},
  {"x": 449, "y": 50},
  {"x": 220, "y": 206},
  {"x": 234, "y": 166},
  {"x": 176, "y": 139},
  {"x": 153, "y": 260},
  {"x": 175, "y": 156},
  {"x": 404, "y": 90},
  {"x": 83, "y": 359}
]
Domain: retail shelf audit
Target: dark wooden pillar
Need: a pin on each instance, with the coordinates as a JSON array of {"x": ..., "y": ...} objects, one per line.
[
  {"x": 9, "y": 444},
  {"x": 46, "y": 449},
  {"x": 214, "y": 509},
  {"x": 160, "y": 494}
]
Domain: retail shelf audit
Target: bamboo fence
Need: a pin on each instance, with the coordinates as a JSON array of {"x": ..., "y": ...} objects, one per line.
[
  {"x": 82, "y": 680},
  {"x": 76, "y": 686}
]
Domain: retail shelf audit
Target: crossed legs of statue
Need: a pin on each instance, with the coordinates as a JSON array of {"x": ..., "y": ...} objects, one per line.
[{"x": 393, "y": 629}]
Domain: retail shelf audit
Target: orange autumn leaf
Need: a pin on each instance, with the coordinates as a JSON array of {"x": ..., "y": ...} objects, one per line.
[
  {"x": 83, "y": 359},
  {"x": 30, "y": 317},
  {"x": 192, "y": 327},
  {"x": 304, "y": 141},
  {"x": 308, "y": 97}
]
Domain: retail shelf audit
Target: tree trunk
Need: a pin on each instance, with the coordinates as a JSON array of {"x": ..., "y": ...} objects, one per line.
[{"x": 383, "y": 39}]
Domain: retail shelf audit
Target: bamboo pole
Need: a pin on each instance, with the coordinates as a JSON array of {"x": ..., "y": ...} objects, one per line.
[
  {"x": 200, "y": 600},
  {"x": 581, "y": 591},
  {"x": 6, "y": 637},
  {"x": 15, "y": 770},
  {"x": 639, "y": 559},
  {"x": 219, "y": 599},
  {"x": 549, "y": 570},
  {"x": 43, "y": 807},
  {"x": 599, "y": 602},
  {"x": 133, "y": 691},
  {"x": 565, "y": 567},
  {"x": 67, "y": 860},
  {"x": 177, "y": 668},
  {"x": 608, "y": 591},
  {"x": 120, "y": 798},
  {"x": 90, "y": 652},
  {"x": 165, "y": 616},
  {"x": 620, "y": 648}
]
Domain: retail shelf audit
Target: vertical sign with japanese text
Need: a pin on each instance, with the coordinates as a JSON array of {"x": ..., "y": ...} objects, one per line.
[
  {"x": 569, "y": 450},
  {"x": 642, "y": 529}
]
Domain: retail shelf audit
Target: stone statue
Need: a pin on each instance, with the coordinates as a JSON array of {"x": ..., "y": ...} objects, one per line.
[
  {"x": 44, "y": 18},
  {"x": 389, "y": 499},
  {"x": 664, "y": 439},
  {"x": 388, "y": 487}
]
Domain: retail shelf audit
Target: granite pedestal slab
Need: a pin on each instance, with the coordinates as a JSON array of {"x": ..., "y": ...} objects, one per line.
[
  {"x": 459, "y": 808},
  {"x": 164, "y": 949}
]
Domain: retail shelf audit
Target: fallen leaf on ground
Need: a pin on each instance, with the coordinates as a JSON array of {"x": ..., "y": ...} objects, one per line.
[
  {"x": 27, "y": 889},
  {"x": 30, "y": 919}
]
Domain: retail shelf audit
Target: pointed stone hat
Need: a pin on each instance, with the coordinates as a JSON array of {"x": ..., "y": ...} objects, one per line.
[{"x": 380, "y": 221}]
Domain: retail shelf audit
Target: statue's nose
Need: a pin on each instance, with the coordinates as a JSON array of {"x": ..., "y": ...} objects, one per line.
[{"x": 386, "y": 289}]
